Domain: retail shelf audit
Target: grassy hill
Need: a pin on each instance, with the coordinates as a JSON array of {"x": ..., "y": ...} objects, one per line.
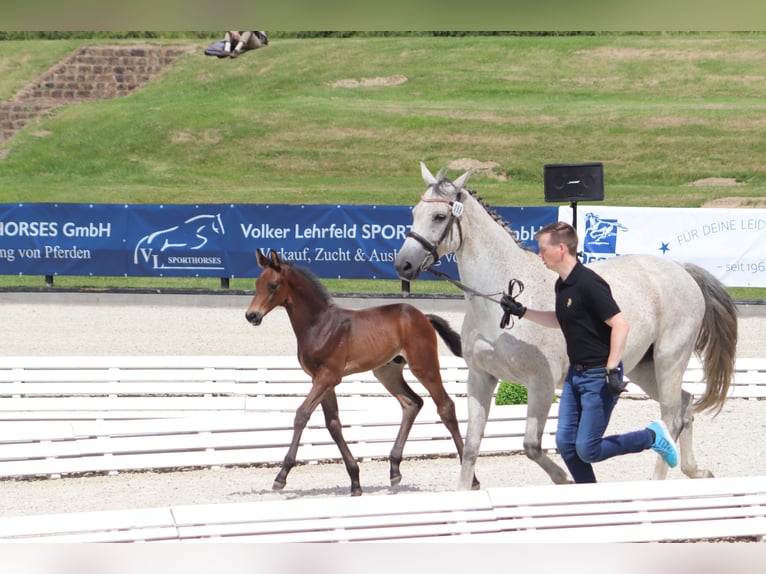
[{"x": 346, "y": 120}]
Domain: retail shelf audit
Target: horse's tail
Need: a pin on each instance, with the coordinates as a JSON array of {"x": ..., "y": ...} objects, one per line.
[
  {"x": 450, "y": 336},
  {"x": 717, "y": 339}
]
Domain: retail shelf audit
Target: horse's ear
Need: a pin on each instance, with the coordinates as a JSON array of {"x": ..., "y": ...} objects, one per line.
[
  {"x": 276, "y": 262},
  {"x": 428, "y": 177},
  {"x": 263, "y": 261},
  {"x": 460, "y": 182}
]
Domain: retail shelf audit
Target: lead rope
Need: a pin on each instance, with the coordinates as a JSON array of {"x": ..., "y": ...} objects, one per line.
[
  {"x": 513, "y": 285},
  {"x": 507, "y": 322},
  {"x": 464, "y": 287}
]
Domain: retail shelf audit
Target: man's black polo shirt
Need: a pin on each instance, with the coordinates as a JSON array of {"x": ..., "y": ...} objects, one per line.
[{"x": 583, "y": 302}]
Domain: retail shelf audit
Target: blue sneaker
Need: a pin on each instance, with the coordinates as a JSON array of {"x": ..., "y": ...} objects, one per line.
[{"x": 664, "y": 445}]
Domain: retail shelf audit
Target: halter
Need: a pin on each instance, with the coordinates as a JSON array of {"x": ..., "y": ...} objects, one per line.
[
  {"x": 431, "y": 248},
  {"x": 455, "y": 213}
]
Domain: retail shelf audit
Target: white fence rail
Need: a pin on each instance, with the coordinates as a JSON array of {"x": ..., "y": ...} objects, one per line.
[
  {"x": 70, "y": 415},
  {"x": 610, "y": 512},
  {"x": 61, "y": 447},
  {"x": 92, "y": 388},
  {"x": 62, "y": 415},
  {"x": 88, "y": 388}
]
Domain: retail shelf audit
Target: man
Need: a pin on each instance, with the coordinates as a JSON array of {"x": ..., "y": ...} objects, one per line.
[
  {"x": 241, "y": 41},
  {"x": 596, "y": 333}
]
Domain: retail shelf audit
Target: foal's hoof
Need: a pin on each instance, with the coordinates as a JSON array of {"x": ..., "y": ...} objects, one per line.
[
  {"x": 396, "y": 480},
  {"x": 278, "y": 485},
  {"x": 356, "y": 492}
]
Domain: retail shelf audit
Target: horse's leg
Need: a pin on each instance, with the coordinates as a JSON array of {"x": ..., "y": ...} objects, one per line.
[
  {"x": 425, "y": 367},
  {"x": 302, "y": 416},
  {"x": 332, "y": 421},
  {"x": 688, "y": 462},
  {"x": 539, "y": 399},
  {"x": 669, "y": 370},
  {"x": 645, "y": 376},
  {"x": 661, "y": 379},
  {"x": 480, "y": 388},
  {"x": 390, "y": 375}
]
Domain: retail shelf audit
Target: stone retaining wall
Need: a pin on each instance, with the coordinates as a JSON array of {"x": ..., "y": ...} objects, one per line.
[{"x": 89, "y": 73}]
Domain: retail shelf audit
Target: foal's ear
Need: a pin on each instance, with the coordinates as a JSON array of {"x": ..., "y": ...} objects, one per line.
[
  {"x": 428, "y": 177},
  {"x": 263, "y": 261},
  {"x": 275, "y": 261}
]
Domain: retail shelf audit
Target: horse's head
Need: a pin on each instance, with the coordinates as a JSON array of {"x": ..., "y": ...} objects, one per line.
[
  {"x": 434, "y": 222},
  {"x": 271, "y": 288}
]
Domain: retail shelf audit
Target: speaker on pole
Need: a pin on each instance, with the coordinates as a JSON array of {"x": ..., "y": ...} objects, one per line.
[{"x": 568, "y": 182}]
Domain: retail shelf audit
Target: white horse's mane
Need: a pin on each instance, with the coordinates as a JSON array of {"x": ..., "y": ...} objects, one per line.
[{"x": 480, "y": 200}]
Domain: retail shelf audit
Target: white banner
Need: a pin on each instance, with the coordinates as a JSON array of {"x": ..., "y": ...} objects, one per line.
[{"x": 730, "y": 243}]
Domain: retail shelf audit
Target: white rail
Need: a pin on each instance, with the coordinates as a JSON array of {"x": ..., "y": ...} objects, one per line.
[
  {"x": 70, "y": 415},
  {"x": 610, "y": 512}
]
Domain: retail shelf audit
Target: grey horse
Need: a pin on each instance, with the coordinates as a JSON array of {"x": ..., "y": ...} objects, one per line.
[{"x": 674, "y": 310}]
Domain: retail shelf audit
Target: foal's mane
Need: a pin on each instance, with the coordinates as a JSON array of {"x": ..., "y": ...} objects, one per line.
[
  {"x": 313, "y": 281},
  {"x": 490, "y": 211}
]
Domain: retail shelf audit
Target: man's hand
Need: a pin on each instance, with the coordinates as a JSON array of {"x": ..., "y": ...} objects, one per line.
[
  {"x": 615, "y": 382},
  {"x": 510, "y": 307}
]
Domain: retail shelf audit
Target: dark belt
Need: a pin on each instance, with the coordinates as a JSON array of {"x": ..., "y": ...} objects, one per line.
[{"x": 586, "y": 367}]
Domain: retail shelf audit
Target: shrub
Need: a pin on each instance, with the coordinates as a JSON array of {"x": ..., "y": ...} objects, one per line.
[{"x": 513, "y": 394}]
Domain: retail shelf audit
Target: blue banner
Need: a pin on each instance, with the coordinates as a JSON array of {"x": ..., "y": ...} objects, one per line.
[
  {"x": 62, "y": 239},
  {"x": 217, "y": 240}
]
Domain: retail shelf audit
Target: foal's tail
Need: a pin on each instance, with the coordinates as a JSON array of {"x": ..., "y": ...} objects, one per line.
[
  {"x": 717, "y": 340},
  {"x": 450, "y": 336}
]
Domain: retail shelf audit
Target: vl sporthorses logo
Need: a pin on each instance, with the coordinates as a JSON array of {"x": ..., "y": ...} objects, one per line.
[{"x": 186, "y": 246}]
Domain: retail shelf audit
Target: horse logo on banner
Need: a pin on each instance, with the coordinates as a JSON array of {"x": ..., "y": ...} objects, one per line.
[
  {"x": 174, "y": 248},
  {"x": 600, "y": 237}
]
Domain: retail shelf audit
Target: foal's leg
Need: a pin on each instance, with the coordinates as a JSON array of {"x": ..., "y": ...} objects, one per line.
[
  {"x": 425, "y": 367},
  {"x": 332, "y": 420},
  {"x": 390, "y": 375},
  {"x": 302, "y": 416}
]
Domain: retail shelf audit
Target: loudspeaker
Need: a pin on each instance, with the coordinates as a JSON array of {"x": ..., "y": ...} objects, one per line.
[{"x": 574, "y": 182}]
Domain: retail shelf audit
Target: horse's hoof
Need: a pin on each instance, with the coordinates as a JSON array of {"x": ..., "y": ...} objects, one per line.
[
  {"x": 704, "y": 473},
  {"x": 396, "y": 480},
  {"x": 356, "y": 492},
  {"x": 278, "y": 485}
]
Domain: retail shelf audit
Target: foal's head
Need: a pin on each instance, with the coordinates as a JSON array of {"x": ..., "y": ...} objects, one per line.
[{"x": 280, "y": 284}]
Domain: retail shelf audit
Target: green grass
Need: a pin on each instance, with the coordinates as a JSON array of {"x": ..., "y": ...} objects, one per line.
[
  {"x": 340, "y": 286},
  {"x": 659, "y": 110}
]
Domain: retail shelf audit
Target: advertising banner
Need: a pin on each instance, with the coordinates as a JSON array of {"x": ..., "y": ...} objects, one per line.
[
  {"x": 729, "y": 243},
  {"x": 333, "y": 241},
  {"x": 343, "y": 241},
  {"x": 62, "y": 239},
  {"x": 217, "y": 240}
]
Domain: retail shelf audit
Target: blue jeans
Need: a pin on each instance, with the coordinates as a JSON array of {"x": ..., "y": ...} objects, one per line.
[{"x": 584, "y": 411}]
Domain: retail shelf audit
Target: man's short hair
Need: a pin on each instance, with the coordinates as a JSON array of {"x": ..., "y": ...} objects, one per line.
[{"x": 560, "y": 232}]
